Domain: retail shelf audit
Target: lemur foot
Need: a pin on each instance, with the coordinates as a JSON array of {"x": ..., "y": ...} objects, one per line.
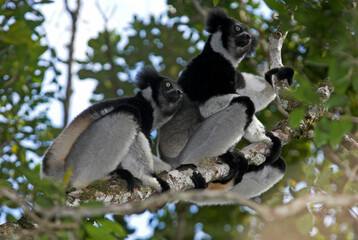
[
  {"x": 163, "y": 184},
  {"x": 198, "y": 179},
  {"x": 275, "y": 149},
  {"x": 238, "y": 165},
  {"x": 281, "y": 74},
  {"x": 126, "y": 176},
  {"x": 279, "y": 164}
]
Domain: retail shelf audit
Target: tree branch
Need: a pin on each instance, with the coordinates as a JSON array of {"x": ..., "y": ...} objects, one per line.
[{"x": 74, "y": 17}]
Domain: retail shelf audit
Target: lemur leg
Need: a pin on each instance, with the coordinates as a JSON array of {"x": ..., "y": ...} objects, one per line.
[
  {"x": 139, "y": 161},
  {"x": 256, "y": 132},
  {"x": 259, "y": 179},
  {"x": 218, "y": 132},
  {"x": 93, "y": 150},
  {"x": 258, "y": 90},
  {"x": 160, "y": 165}
]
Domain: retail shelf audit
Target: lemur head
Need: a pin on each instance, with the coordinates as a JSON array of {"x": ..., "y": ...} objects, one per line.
[
  {"x": 164, "y": 94},
  {"x": 229, "y": 37}
]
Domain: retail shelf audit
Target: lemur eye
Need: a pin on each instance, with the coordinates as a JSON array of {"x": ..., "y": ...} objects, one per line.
[
  {"x": 167, "y": 84},
  {"x": 237, "y": 28}
]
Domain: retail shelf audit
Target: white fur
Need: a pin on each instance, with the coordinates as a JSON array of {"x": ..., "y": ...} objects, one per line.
[
  {"x": 139, "y": 162},
  {"x": 253, "y": 82},
  {"x": 216, "y": 104},
  {"x": 215, "y": 135},
  {"x": 258, "y": 90},
  {"x": 256, "y": 132},
  {"x": 158, "y": 118},
  {"x": 217, "y": 46},
  {"x": 255, "y": 183}
]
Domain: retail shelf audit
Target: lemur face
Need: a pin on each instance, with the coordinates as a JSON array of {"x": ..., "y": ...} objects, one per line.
[
  {"x": 170, "y": 90},
  {"x": 161, "y": 91},
  {"x": 238, "y": 39},
  {"x": 229, "y": 36}
]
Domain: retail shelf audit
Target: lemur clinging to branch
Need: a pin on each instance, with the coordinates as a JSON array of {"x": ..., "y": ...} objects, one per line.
[{"x": 218, "y": 109}]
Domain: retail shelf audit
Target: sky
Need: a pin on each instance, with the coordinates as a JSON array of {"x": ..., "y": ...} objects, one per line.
[{"x": 57, "y": 29}]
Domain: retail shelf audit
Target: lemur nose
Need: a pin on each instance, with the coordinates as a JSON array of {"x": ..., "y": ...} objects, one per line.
[
  {"x": 179, "y": 92},
  {"x": 246, "y": 36}
]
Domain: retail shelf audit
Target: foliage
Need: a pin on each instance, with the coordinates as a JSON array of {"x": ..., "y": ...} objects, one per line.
[{"x": 321, "y": 44}]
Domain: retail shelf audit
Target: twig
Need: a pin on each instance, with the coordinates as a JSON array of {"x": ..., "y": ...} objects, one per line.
[
  {"x": 199, "y": 8},
  {"x": 74, "y": 17}
]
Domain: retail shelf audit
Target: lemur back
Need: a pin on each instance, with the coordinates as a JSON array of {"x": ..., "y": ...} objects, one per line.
[{"x": 115, "y": 134}]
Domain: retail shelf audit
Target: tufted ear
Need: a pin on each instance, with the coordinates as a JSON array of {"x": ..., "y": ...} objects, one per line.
[
  {"x": 147, "y": 77},
  {"x": 217, "y": 17}
]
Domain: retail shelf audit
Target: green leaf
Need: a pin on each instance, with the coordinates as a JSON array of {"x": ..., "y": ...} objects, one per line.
[
  {"x": 215, "y": 2},
  {"x": 304, "y": 224},
  {"x": 114, "y": 227},
  {"x": 337, "y": 130},
  {"x": 324, "y": 178},
  {"x": 336, "y": 100},
  {"x": 311, "y": 173},
  {"x": 305, "y": 92},
  {"x": 296, "y": 116},
  {"x": 321, "y": 132},
  {"x": 97, "y": 233},
  {"x": 43, "y": 201}
]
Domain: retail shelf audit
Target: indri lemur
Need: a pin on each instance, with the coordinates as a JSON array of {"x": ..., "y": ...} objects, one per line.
[
  {"x": 115, "y": 134},
  {"x": 218, "y": 109}
]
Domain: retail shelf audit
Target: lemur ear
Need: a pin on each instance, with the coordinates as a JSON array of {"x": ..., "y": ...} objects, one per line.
[
  {"x": 147, "y": 77},
  {"x": 217, "y": 17}
]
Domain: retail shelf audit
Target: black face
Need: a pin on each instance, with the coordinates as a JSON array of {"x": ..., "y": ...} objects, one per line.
[
  {"x": 171, "y": 91},
  {"x": 238, "y": 39},
  {"x": 242, "y": 37}
]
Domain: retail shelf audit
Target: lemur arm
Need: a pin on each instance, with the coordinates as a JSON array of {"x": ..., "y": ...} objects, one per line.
[
  {"x": 259, "y": 89},
  {"x": 216, "y": 104}
]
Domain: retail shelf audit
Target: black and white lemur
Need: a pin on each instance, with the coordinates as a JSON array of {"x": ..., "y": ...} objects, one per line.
[
  {"x": 115, "y": 135},
  {"x": 218, "y": 109}
]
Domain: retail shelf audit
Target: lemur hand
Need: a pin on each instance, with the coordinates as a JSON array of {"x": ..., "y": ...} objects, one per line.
[{"x": 281, "y": 74}]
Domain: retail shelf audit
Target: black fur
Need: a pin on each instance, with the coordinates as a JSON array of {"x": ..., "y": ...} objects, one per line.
[
  {"x": 199, "y": 181},
  {"x": 148, "y": 77},
  {"x": 207, "y": 75},
  {"x": 275, "y": 150},
  {"x": 187, "y": 166},
  {"x": 239, "y": 81},
  {"x": 279, "y": 164},
  {"x": 163, "y": 184},
  {"x": 125, "y": 175},
  {"x": 197, "y": 178},
  {"x": 238, "y": 165},
  {"x": 217, "y": 18},
  {"x": 138, "y": 106},
  {"x": 210, "y": 73},
  {"x": 281, "y": 73},
  {"x": 250, "y": 108}
]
